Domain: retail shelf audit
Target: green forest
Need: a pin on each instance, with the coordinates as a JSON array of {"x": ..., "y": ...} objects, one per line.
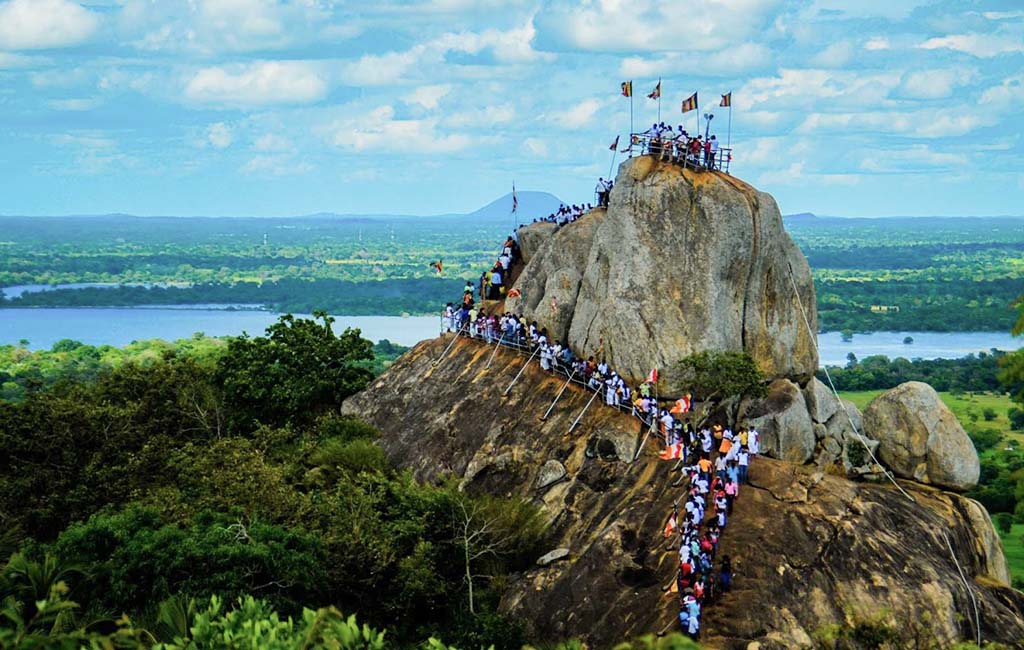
[
  {"x": 137, "y": 492},
  {"x": 919, "y": 274}
]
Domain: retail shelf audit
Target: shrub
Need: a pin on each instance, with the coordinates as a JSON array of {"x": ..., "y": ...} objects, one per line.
[
  {"x": 717, "y": 374},
  {"x": 1003, "y": 522},
  {"x": 988, "y": 413}
]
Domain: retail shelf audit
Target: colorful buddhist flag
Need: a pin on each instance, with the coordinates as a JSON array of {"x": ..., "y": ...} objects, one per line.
[
  {"x": 690, "y": 103},
  {"x": 726, "y": 99},
  {"x": 670, "y": 525},
  {"x": 615, "y": 145},
  {"x": 436, "y": 266},
  {"x": 653, "y": 376},
  {"x": 515, "y": 200},
  {"x": 672, "y": 452},
  {"x": 627, "y": 88},
  {"x": 656, "y": 93}
]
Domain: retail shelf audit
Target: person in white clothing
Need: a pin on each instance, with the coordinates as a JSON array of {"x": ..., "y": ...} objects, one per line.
[{"x": 753, "y": 441}]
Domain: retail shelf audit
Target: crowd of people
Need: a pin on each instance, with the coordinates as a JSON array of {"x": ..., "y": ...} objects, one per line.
[
  {"x": 714, "y": 460},
  {"x": 672, "y": 145},
  {"x": 567, "y": 214}
]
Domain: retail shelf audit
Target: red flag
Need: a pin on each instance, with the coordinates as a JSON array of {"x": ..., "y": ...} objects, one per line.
[
  {"x": 656, "y": 93},
  {"x": 515, "y": 293},
  {"x": 653, "y": 377},
  {"x": 615, "y": 145}
]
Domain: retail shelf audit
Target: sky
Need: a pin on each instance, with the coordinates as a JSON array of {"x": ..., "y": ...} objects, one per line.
[{"x": 267, "y": 107}]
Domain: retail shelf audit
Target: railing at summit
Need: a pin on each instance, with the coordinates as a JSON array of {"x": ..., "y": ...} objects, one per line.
[{"x": 680, "y": 151}]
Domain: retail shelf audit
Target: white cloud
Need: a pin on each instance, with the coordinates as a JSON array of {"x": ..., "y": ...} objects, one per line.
[
  {"x": 486, "y": 117},
  {"x": 9, "y": 61},
  {"x": 934, "y": 84},
  {"x": 913, "y": 159},
  {"x": 257, "y": 84},
  {"x": 272, "y": 142},
  {"x": 76, "y": 104},
  {"x": 380, "y": 131},
  {"x": 835, "y": 55},
  {"x": 536, "y": 147},
  {"x": 741, "y": 58},
  {"x": 876, "y": 44},
  {"x": 806, "y": 88},
  {"x": 1007, "y": 95},
  {"x": 275, "y": 165},
  {"x": 211, "y": 26},
  {"x": 428, "y": 96},
  {"x": 1003, "y": 15},
  {"x": 978, "y": 45},
  {"x": 653, "y": 25},
  {"x": 931, "y": 123},
  {"x": 219, "y": 135},
  {"x": 578, "y": 116},
  {"x": 44, "y": 24}
]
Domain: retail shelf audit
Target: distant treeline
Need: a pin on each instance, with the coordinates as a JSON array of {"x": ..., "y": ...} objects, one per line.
[
  {"x": 975, "y": 373},
  {"x": 376, "y": 297},
  {"x": 923, "y": 305},
  {"x": 910, "y": 256}
]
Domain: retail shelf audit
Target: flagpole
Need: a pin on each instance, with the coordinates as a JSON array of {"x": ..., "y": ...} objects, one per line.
[
  {"x": 729, "y": 136},
  {"x": 659, "y": 101},
  {"x": 615, "y": 152},
  {"x": 631, "y": 113}
]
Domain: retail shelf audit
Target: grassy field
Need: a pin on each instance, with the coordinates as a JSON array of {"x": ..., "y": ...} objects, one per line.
[
  {"x": 1013, "y": 547},
  {"x": 963, "y": 406}
]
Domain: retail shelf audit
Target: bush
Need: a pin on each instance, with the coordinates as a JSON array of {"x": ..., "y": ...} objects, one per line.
[
  {"x": 988, "y": 413},
  {"x": 1003, "y": 522},
  {"x": 984, "y": 439},
  {"x": 717, "y": 374},
  {"x": 1016, "y": 416}
]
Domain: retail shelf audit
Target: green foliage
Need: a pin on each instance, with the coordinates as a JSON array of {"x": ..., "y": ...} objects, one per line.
[
  {"x": 984, "y": 439},
  {"x": 298, "y": 371},
  {"x": 1003, "y": 522},
  {"x": 989, "y": 414},
  {"x": 715, "y": 374},
  {"x": 673, "y": 641},
  {"x": 1016, "y": 417},
  {"x": 856, "y": 454},
  {"x": 975, "y": 372}
]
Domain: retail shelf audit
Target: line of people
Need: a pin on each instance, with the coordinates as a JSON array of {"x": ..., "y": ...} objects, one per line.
[
  {"x": 696, "y": 581},
  {"x": 566, "y": 214}
]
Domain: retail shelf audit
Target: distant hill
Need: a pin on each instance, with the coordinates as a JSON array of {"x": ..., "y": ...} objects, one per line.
[
  {"x": 809, "y": 219},
  {"x": 531, "y": 206}
]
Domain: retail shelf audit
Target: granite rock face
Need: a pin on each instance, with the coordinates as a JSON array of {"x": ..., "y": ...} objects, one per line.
[
  {"x": 920, "y": 438},
  {"x": 808, "y": 548},
  {"x": 679, "y": 263}
]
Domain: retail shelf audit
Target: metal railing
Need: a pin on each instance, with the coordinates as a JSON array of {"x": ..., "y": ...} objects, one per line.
[
  {"x": 681, "y": 151},
  {"x": 524, "y": 347}
]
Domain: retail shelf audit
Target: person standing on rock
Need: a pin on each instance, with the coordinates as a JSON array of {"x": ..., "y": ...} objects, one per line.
[{"x": 753, "y": 441}]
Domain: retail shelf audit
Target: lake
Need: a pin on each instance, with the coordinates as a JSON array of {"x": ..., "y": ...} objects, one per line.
[{"x": 120, "y": 326}]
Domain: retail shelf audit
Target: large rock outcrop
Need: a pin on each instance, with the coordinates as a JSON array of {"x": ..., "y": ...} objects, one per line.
[
  {"x": 920, "y": 438},
  {"x": 809, "y": 549},
  {"x": 680, "y": 262}
]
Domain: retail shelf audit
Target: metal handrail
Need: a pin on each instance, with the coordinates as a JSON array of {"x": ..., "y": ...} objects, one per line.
[{"x": 652, "y": 146}]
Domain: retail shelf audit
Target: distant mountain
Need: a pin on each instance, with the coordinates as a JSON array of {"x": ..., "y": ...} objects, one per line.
[
  {"x": 531, "y": 206},
  {"x": 799, "y": 218}
]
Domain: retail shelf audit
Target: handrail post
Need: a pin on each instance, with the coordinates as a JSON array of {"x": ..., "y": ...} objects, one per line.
[
  {"x": 559, "y": 396},
  {"x": 580, "y": 416},
  {"x": 443, "y": 354},
  {"x": 520, "y": 373},
  {"x": 497, "y": 346}
]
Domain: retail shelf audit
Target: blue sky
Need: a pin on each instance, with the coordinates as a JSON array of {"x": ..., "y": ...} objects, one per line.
[{"x": 263, "y": 107}]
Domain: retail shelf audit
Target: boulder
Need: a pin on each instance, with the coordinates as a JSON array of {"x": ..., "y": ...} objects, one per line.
[
  {"x": 821, "y": 402},
  {"x": 729, "y": 284},
  {"x": 920, "y": 438},
  {"x": 533, "y": 237},
  {"x": 550, "y": 283},
  {"x": 551, "y": 472},
  {"x": 553, "y": 556},
  {"x": 781, "y": 417}
]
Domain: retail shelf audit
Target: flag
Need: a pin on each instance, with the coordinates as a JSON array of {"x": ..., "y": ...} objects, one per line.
[
  {"x": 436, "y": 266},
  {"x": 670, "y": 525},
  {"x": 690, "y": 103},
  {"x": 627, "y": 88},
  {"x": 615, "y": 145},
  {"x": 656, "y": 93},
  {"x": 653, "y": 376},
  {"x": 726, "y": 99},
  {"x": 515, "y": 293},
  {"x": 515, "y": 200},
  {"x": 672, "y": 452},
  {"x": 682, "y": 405}
]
